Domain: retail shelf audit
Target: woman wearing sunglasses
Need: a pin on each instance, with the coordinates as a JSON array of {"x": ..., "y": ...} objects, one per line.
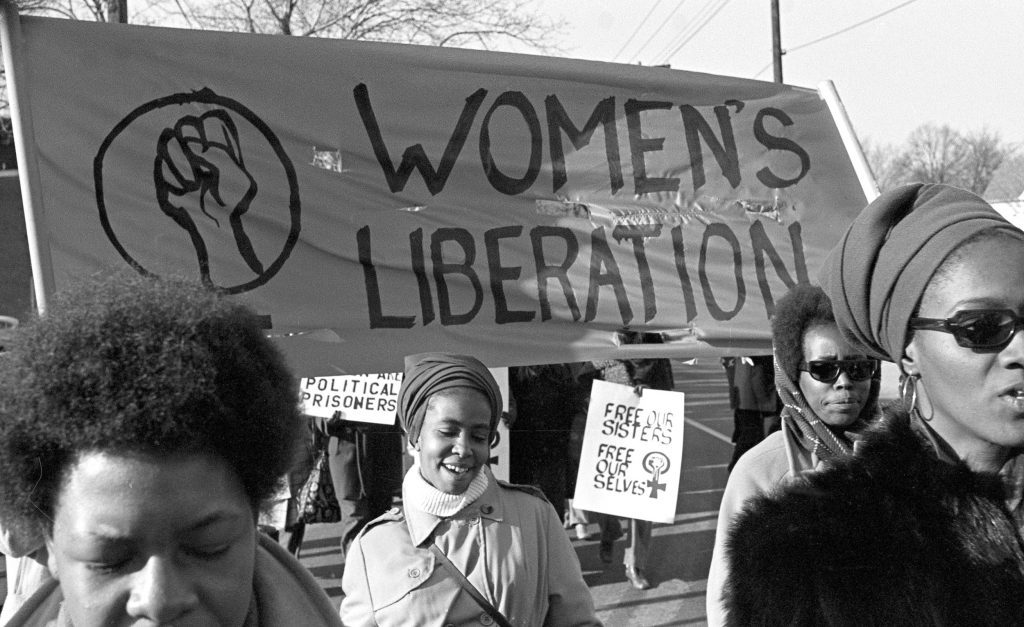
[
  {"x": 922, "y": 526},
  {"x": 829, "y": 391}
]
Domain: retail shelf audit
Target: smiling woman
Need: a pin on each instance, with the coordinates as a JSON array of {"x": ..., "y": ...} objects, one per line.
[
  {"x": 922, "y": 526},
  {"x": 142, "y": 425},
  {"x": 467, "y": 548}
]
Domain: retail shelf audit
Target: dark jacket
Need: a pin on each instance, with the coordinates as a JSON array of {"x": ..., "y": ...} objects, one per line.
[
  {"x": 891, "y": 536},
  {"x": 359, "y": 454}
]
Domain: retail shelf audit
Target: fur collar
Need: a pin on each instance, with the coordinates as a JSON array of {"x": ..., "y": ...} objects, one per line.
[{"x": 889, "y": 536}]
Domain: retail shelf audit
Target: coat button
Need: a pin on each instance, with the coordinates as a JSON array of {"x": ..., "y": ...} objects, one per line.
[
  {"x": 486, "y": 509},
  {"x": 485, "y": 619},
  {"x": 474, "y": 520},
  {"x": 414, "y": 573}
]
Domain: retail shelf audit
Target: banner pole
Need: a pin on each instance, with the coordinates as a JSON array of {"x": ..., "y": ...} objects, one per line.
[
  {"x": 24, "y": 144},
  {"x": 828, "y": 93}
]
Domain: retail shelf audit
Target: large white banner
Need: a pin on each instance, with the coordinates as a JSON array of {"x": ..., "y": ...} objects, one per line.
[
  {"x": 632, "y": 453},
  {"x": 375, "y": 200}
]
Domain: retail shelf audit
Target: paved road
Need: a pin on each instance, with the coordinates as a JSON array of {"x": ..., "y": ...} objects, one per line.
[{"x": 681, "y": 552}]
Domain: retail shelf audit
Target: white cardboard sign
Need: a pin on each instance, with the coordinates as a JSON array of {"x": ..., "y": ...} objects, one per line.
[
  {"x": 362, "y": 397},
  {"x": 632, "y": 453}
]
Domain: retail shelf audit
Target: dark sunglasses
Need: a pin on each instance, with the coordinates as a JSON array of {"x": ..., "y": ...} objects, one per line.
[
  {"x": 975, "y": 328},
  {"x": 827, "y": 370}
]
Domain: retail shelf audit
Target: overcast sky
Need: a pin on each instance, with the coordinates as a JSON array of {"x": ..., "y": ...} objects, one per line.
[{"x": 956, "y": 62}]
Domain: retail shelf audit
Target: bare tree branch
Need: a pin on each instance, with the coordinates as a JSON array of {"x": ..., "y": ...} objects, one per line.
[
  {"x": 431, "y": 22},
  {"x": 986, "y": 152},
  {"x": 939, "y": 154}
]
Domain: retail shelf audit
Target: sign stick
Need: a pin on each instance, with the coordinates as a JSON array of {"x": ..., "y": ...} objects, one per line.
[{"x": 24, "y": 143}]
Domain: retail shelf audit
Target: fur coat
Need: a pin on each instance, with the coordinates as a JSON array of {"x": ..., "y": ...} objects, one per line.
[{"x": 891, "y": 536}]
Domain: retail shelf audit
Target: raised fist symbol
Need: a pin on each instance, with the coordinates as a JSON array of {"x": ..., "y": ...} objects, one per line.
[{"x": 202, "y": 183}]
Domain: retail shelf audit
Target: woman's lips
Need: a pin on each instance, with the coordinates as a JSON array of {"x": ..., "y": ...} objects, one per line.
[
  {"x": 847, "y": 401},
  {"x": 456, "y": 469}
]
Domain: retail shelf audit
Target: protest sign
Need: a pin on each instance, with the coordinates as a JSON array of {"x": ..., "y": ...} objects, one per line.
[
  {"x": 632, "y": 453},
  {"x": 362, "y": 398},
  {"x": 373, "y": 200}
]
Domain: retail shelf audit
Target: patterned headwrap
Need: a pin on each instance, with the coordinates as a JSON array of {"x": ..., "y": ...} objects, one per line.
[
  {"x": 428, "y": 373},
  {"x": 878, "y": 271},
  {"x": 805, "y": 425}
]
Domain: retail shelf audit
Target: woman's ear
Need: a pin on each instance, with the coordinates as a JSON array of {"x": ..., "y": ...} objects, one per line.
[
  {"x": 908, "y": 363},
  {"x": 51, "y": 561}
]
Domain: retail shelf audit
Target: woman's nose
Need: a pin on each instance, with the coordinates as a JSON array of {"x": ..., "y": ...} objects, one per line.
[
  {"x": 461, "y": 445},
  {"x": 1012, "y": 355},
  {"x": 843, "y": 381},
  {"x": 160, "y": 592}
]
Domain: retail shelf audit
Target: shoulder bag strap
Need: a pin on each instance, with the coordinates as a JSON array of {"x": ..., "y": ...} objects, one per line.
[{"x": 491, "y": 611}]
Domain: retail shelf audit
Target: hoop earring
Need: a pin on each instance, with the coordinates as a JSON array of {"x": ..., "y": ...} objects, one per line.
[{"x": 908, "y": 387}]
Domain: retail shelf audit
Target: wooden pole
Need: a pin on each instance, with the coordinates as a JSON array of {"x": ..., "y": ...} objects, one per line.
[
  {"x": 776, "y": 42},
  {"x": 117, "y": 11}
]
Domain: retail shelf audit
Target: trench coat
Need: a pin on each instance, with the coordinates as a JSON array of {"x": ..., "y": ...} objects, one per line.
[{"x": 510, "y": 545}]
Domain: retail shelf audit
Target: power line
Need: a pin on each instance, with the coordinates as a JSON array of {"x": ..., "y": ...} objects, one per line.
[
  {"x": 638, "y": 27},
  {"x": 697, "y": 16},
  {"x": 849, "y": 28},
  {"x": 696, "y": 32},
  {"x": 839, "y": 32},
  {"x": 664, "y": 23}
]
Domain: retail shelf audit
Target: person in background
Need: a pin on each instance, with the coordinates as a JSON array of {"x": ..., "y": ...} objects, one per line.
[
  {"x": 922, "y": 525},
  {"x": 583, "y": 374},
  {"x": 638, "y": 374},
  {"x": 25, "y": 560},
  {"x": 143, "y": 423},
  {"x": 753, "y": 399},
  {"x": 24, "y": 551},
  {"x": 539, "y": 433},
  {"x": 366, "y": 470},
  {"x": 831, "y": 394},
  {"x": 464, "y": 548}
]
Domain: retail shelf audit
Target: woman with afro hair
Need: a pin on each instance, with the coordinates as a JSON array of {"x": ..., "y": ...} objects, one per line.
[
  {"x": 143, "y": 423},
  {"x": 829, "y": 392}
]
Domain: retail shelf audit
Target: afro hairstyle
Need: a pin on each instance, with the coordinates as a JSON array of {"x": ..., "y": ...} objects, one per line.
[
  {"x": 126, "y": 364},
  {"x": 803, "y": 306}
]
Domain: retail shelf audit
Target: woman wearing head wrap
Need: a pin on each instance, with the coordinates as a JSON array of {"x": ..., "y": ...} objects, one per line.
[
  {"x": 515, "y": 560},
  {"x": 922, "y": 526},
  {"x": 830, "y": 393}
]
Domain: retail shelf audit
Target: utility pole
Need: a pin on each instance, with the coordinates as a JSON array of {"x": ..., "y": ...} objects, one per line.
[
  {"x": 117, "y": 11},
  {"x": 776, "y": 42}
]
